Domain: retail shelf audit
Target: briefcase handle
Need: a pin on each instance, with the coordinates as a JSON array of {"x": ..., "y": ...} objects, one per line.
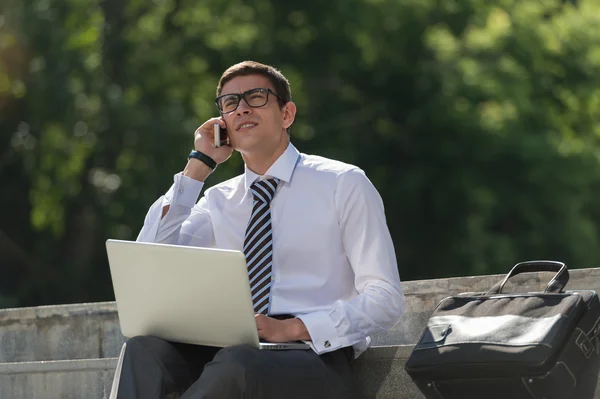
[{"x": 556, "y": 285}]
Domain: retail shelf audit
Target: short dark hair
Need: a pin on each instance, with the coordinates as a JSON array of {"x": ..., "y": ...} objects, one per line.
[{"x": 280, "y": 84}]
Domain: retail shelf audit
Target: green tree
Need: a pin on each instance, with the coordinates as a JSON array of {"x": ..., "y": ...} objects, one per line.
[{"x": 477, "y": 121}]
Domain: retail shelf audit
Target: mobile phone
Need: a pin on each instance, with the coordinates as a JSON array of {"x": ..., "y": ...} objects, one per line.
[{"x": 221, "y": 137}]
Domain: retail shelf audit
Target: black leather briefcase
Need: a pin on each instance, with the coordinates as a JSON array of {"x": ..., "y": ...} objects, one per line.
[{"x": 537, "y": 345}]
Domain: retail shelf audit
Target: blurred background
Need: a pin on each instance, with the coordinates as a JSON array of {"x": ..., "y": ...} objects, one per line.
[{"x": 478, "y": 121}]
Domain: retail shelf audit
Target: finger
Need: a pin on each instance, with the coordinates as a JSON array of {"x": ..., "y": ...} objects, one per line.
[
  {"x": 206, "y": 129},
  {"x": 204, "y": 134},
  {"x": 208, "y": 125},
  {"x": 260, "y": 322}
]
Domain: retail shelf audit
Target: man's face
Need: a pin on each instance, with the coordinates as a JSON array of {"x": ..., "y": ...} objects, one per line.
[{"x": 256, "y": 129}]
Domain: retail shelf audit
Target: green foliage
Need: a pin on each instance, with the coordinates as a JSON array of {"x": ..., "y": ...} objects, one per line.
[{"x": 478, "y": 122}]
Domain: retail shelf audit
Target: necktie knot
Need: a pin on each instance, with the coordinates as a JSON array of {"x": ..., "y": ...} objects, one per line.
[{"x": 264, "y": 190}]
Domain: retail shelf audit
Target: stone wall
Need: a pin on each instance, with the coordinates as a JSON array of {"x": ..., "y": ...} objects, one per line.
[{"x": 69, "y": 351}]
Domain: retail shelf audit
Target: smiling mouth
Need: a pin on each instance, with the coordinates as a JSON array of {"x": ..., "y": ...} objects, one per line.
[{"x": 246, "y": 126}]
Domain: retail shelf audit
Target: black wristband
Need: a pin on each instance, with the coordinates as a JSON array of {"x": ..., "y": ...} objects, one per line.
[{"x": 208, "y": 161}]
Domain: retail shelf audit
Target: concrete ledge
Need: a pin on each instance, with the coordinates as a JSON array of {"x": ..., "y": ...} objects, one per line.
[
  {"x": 35, "y": 341},
  {"x": 80, "y": 331},
  {"x": 379, "y": 374},
  {"x": 84, "y": 331},
  {"x": 58, "y": 365},
  {"x": 63, "y": 379}
]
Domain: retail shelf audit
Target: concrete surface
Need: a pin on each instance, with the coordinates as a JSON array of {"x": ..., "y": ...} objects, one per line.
[
  {"x": 64, "y": 379},
  {"x": 380, "y": 375},
  {"x": 80, "y": 331},
  {"x": 84, "y": 331},
  {"x": 68, "y": 351}
]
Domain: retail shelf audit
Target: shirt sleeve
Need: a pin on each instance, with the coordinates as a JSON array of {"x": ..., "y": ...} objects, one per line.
[
  {"x": 370, "y": 251},
  {"x": 185, "y": 223}
]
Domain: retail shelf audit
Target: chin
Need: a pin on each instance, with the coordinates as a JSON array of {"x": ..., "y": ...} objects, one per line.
[{"x": 245, "y": 146}]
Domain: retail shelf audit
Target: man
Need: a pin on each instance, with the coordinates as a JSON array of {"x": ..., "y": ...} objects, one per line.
[{"x": 321, "y": 262}]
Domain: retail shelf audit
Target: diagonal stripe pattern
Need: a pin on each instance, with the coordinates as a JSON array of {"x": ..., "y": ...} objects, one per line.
[{"x": 258, "y": 243}]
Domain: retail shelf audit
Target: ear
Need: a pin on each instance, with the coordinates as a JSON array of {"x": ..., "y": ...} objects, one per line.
[{"x": 289, "y": 114}]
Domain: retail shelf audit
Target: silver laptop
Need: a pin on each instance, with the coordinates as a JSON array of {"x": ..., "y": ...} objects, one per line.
[{"x": 185, "y": 294}]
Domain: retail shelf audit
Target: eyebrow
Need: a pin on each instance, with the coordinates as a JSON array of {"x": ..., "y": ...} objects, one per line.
[{"x": 241, "y": 92}]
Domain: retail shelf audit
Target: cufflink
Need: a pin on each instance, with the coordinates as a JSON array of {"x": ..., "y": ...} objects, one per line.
[{"x": 326, "y": 344}]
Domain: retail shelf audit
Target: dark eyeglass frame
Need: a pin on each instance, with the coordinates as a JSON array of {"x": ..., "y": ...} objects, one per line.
[{"x": 243, "y": 96}]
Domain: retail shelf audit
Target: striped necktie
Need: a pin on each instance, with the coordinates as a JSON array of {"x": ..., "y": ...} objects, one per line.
[{"x": 258, "y": 244}]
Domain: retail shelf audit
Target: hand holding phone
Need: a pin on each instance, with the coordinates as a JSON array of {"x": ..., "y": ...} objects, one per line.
[{"x": 220, "y": 136}]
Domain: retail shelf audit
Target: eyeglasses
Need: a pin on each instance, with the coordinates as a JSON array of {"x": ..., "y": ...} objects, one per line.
[{"x": 255, "y": 98}]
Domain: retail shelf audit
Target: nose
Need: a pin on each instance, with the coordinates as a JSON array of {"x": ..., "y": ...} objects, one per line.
[{"x": 243, "y": 108}]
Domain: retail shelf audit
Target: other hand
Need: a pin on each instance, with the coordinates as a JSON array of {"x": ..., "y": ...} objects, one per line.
[{"x": 274, "y": 330}]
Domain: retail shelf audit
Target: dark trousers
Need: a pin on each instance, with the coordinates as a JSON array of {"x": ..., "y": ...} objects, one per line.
[{"x": 153, "y": 368}]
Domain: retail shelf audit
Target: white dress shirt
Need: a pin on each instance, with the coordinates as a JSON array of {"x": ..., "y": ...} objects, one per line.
[{"x": 334, "y": 265}]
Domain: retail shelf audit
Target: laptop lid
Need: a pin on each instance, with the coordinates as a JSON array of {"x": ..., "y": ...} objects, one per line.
[{"x": 183, "y": 294}]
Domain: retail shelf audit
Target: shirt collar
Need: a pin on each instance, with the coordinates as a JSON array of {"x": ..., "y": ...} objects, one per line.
[{"x": 282, "y": 168}]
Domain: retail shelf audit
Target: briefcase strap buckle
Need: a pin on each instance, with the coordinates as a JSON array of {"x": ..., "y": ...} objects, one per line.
[
  {"x": 585, "y": 345},
  {"x": 595, "y": 330}
]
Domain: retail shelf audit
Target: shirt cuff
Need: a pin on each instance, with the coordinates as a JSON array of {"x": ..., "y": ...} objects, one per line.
[
  {"x": 322, "y": 332},
  {"x": 184, "y": 191}
]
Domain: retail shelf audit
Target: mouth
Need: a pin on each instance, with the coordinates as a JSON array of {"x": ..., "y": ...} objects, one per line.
[{"x": 246, "y": 126}]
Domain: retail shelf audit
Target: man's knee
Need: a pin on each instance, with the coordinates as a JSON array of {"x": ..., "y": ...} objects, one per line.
[
  {"x": 135, "y": 346},
  {"x": 243, "y": 355},
  {"x": 232, "y": 371},
  {"x": 239, "y": 361},
  {"x": 142, "y": 341}
]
